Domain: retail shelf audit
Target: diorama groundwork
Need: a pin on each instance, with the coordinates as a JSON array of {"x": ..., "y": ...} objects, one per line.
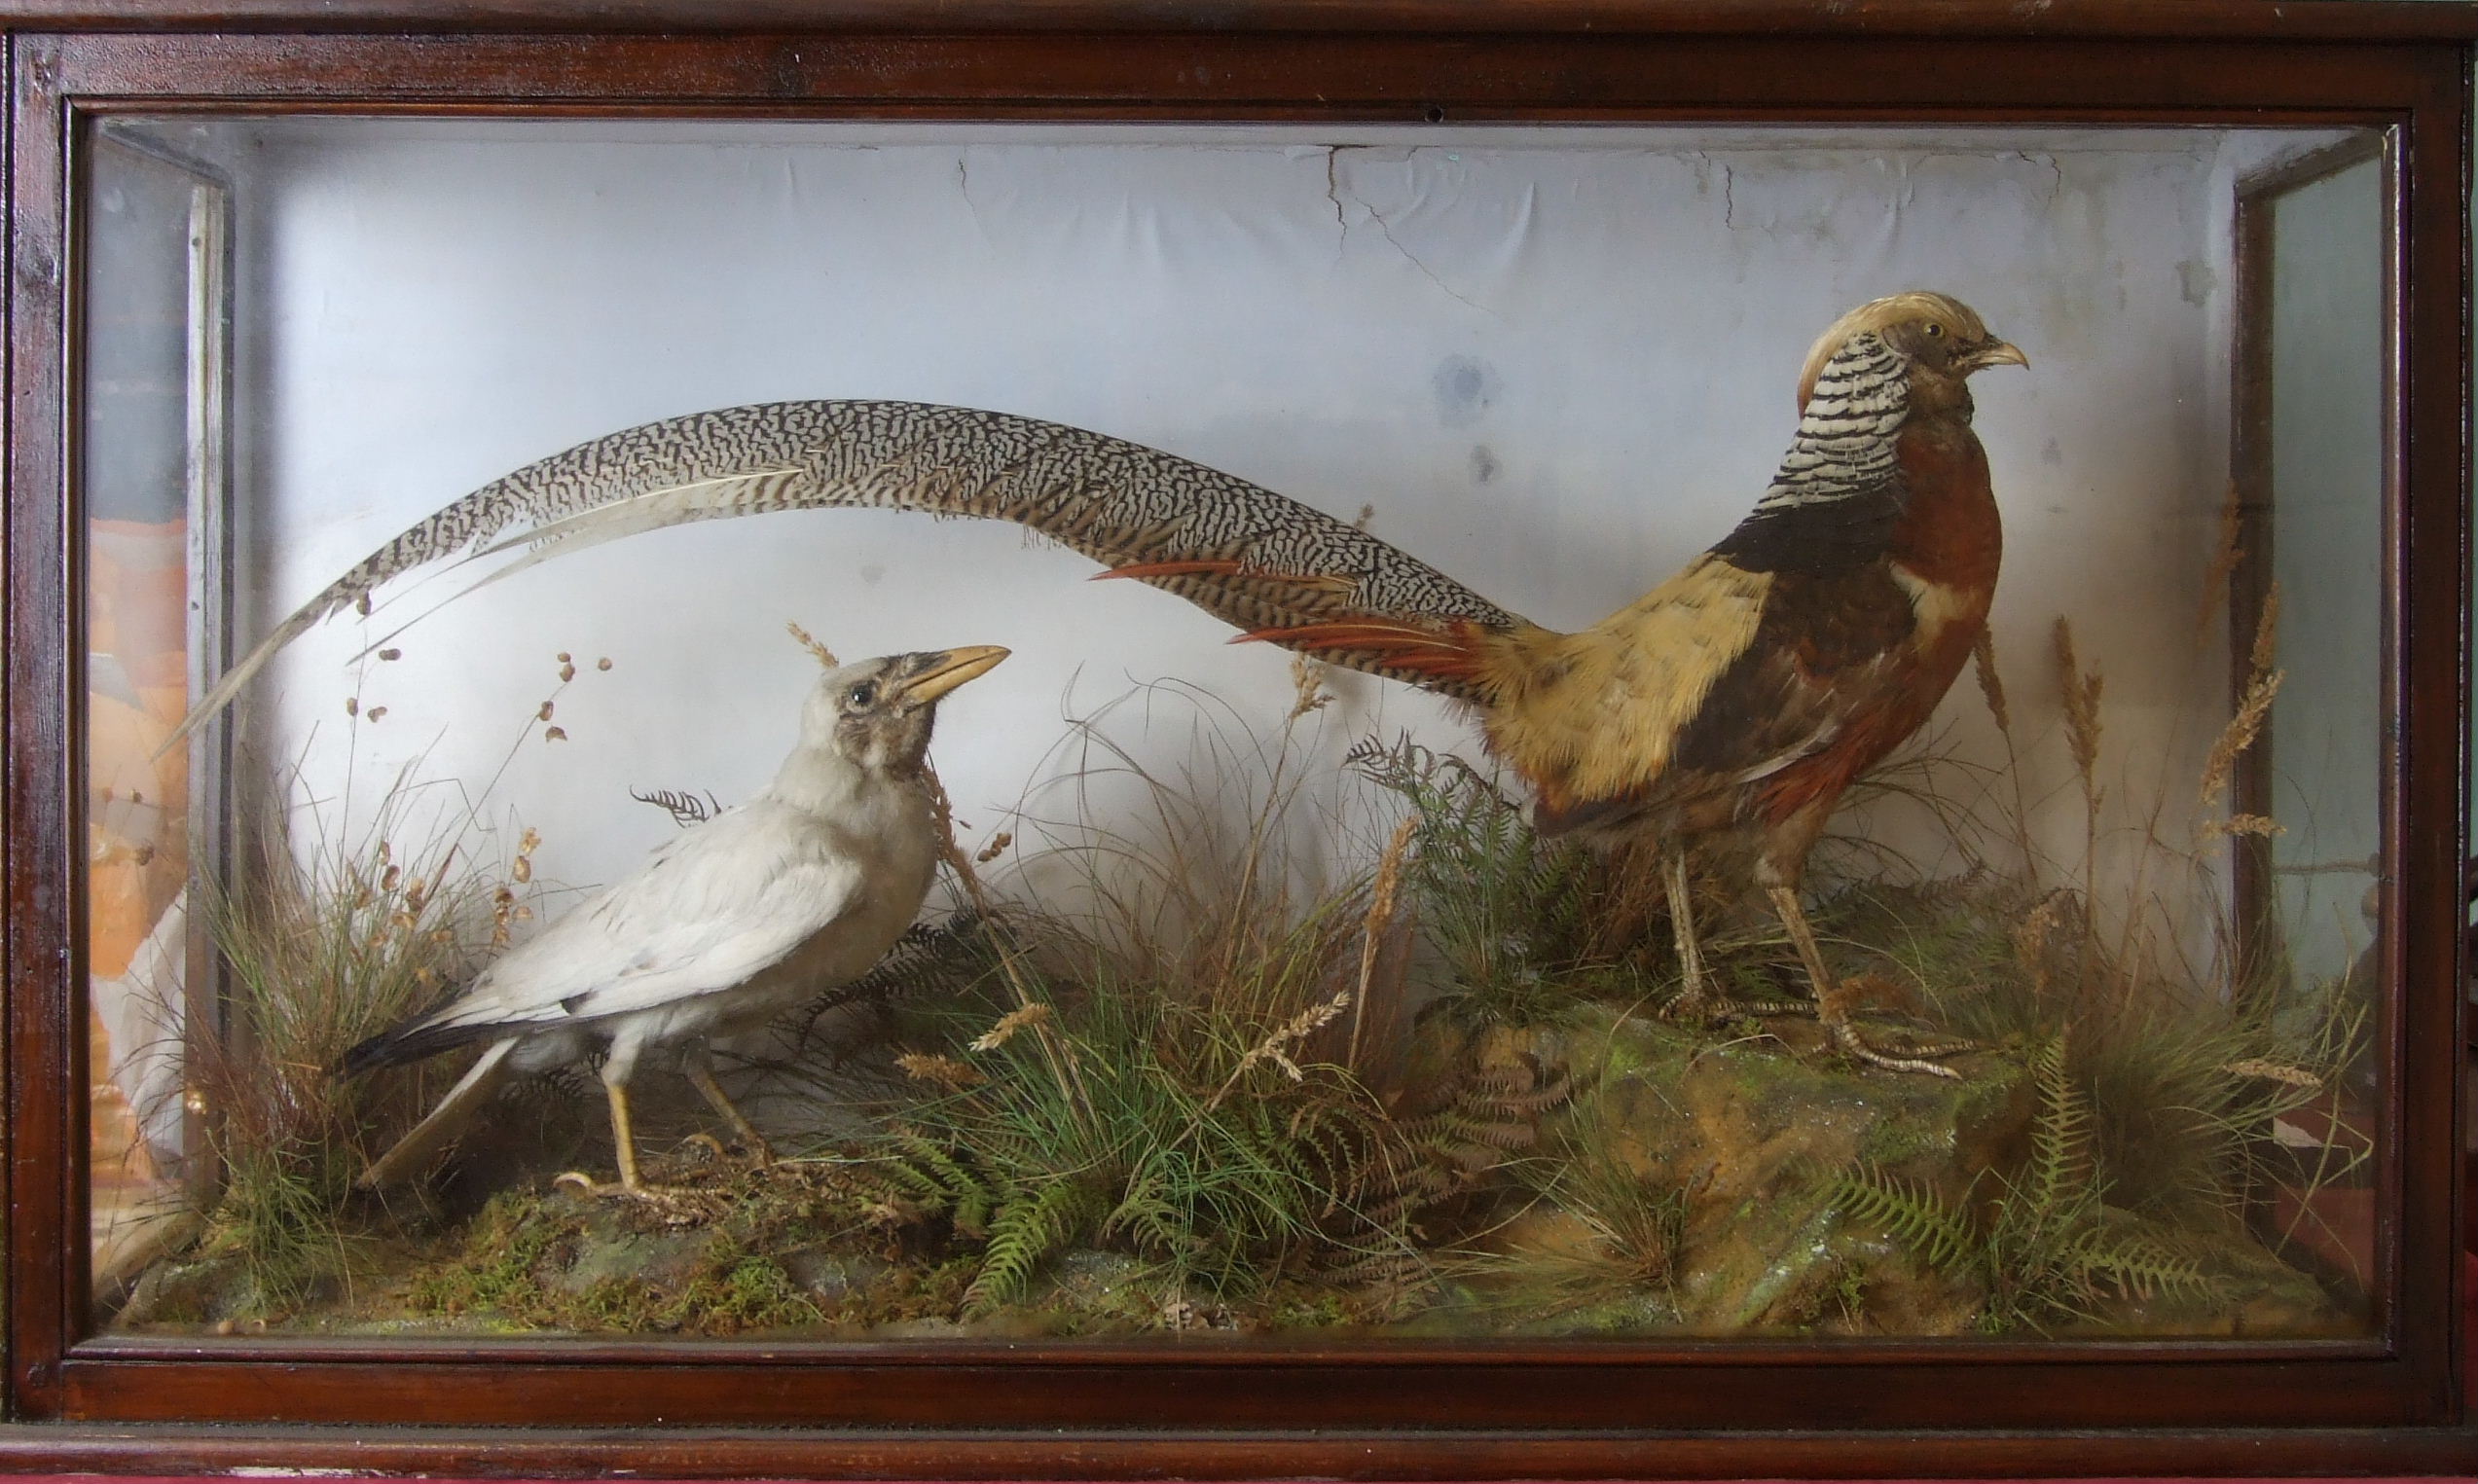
[{"x": 1446, "y": 1096}]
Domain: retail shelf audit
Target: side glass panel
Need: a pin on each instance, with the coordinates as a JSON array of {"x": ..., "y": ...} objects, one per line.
[
  {"x": 2311, "y": 584},
  {"x": 1851, "y": 899},
  {"x": 152, "y": 472}
]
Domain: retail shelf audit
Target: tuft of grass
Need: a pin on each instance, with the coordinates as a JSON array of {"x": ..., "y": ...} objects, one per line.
[
  {"x": 320, "y": 949},
  {"x": 1228, "y": 1147},
  {"x": 2187, "y": 1057},
  {"x": 1213, "y": 1068}
]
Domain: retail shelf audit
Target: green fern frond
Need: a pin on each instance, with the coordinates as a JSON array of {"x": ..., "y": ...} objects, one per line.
[
  {"x": 1025, "y": 1231},
  {"x": 2136, "y": 1267},
  {"x": 2062, "y": 1133},
  {"x": 1910, "y": 1214},
  {"x": 929, "y": 1173}
]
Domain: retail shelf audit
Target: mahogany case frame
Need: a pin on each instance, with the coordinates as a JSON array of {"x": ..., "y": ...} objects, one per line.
[{"x": 1465, "y": 1409}]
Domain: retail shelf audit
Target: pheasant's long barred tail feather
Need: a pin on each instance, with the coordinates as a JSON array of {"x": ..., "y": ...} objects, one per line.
[{"x": 1254, "y": 558}]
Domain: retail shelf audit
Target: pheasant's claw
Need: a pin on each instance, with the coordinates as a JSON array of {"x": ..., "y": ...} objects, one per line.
[
  {"x": 1847, "y": 1038},
  {"x": 1694, "y": 1006}
]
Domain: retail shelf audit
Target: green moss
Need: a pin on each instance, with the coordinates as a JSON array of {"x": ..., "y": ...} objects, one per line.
[{"x": 498, "y": 1270}]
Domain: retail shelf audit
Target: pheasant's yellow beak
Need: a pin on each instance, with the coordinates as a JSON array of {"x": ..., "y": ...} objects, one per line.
[
  {"x": 2002, "y": 354},
  {"x": 932, "y": 674}
]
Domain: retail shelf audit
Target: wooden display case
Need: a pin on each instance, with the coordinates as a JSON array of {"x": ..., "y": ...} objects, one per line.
[{"x": 2390, "y": 82}]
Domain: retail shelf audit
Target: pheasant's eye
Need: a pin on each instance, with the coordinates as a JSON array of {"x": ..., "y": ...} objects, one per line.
[
  {"x": 863, "y": 693},
  {"x": 1934, "y": 330}
]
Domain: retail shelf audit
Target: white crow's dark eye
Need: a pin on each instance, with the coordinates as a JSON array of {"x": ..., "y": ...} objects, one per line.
[{"x": 863, "y": 693}]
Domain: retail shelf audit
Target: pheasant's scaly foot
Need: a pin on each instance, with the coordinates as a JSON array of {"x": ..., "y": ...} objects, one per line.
[
  {"x": 1694, "y": 1007},
  {"x": 1847, "y": 1039}
]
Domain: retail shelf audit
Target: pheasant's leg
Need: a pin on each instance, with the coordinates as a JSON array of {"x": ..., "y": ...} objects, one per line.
[
  {"x": 699, "y": 1068},
  {"x": 1695, "y": 1000},
  {"x": 1830, "y": 1006}
]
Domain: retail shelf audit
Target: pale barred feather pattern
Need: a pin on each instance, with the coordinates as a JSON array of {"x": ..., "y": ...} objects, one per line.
[
  {"x": 1846, "y": 443},
  {"x": 1115, "y": 501}
]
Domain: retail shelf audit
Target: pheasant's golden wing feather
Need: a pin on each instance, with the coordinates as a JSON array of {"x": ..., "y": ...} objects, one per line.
[
  {"x": 1254, "y": 558},
  {"x": 1594, "y": 719},
  {"x": 1725, "y": 678}
]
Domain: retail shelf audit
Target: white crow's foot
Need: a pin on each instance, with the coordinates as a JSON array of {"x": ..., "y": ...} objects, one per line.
[{"x": 611, "y": 1190}]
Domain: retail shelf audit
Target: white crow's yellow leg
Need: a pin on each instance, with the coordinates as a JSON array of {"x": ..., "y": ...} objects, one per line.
[
  {"x": 617, "y": 1067},
  {"x": 623, "y": 1137},
  {"x": 699, "y": 1068}
]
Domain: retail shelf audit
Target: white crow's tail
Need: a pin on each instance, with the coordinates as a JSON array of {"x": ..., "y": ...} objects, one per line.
[{"x": 413, "y": 1152}]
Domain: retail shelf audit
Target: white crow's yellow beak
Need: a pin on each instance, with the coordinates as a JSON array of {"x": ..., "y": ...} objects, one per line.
[{"x": 934, "y": 673}]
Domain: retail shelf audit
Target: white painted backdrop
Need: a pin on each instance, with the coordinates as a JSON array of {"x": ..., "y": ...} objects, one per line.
[{"x": 1557, "y": 363}]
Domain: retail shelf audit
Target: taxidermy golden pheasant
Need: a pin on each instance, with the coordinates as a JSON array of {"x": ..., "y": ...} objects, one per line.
[{"x": 1731, "y": 705}]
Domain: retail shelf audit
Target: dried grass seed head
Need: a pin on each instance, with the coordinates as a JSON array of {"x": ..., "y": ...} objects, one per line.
[
  {"x": 1991, "y": 686},
  {"x": 1014, "y": 1021},
  {"x": 2267, "y": 627},
  {"x": 826, "y": 657},
  {"x": 2235, "y": 738},
  {"x": 2082, "y": 691}
]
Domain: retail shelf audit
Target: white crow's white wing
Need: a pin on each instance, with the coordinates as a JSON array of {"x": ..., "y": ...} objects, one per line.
[{"x": 720, "y": 904}]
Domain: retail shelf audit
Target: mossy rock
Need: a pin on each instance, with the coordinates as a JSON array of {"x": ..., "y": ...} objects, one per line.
[
  {"x": 191, "y": 1292},
  {"x": 739, "y": 1256},
  {"x": 1751, "y": 1124},
  {"x": 831, "y": 1277}
]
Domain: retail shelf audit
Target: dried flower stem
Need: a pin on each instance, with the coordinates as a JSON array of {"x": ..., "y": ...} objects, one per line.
[
  {"x": 1991, "y": 688},
  {"x": 1383, "y": 895},
  {"x": 2275, "y": 1071},
  {"x": 2239, "y": 735},
  {"x": 2267, "y": 627},
  {"x": 940, "y": 1071},
  {"x": 1307, "y": 687},
  {"x": 1017, "y": 1019},
  {"x": 1056, "y": 1050},
  {"x": 2225, "y": 556},
  {"x": 2030, "y": 940},
  {"x": 2082, "y": 690}
]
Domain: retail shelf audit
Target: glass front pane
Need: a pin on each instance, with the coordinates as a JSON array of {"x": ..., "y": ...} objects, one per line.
[{"x": 1784, "y": 927}]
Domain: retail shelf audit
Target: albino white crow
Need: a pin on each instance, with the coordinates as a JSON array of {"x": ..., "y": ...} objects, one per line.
[{"x": 803, "y": 887}]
